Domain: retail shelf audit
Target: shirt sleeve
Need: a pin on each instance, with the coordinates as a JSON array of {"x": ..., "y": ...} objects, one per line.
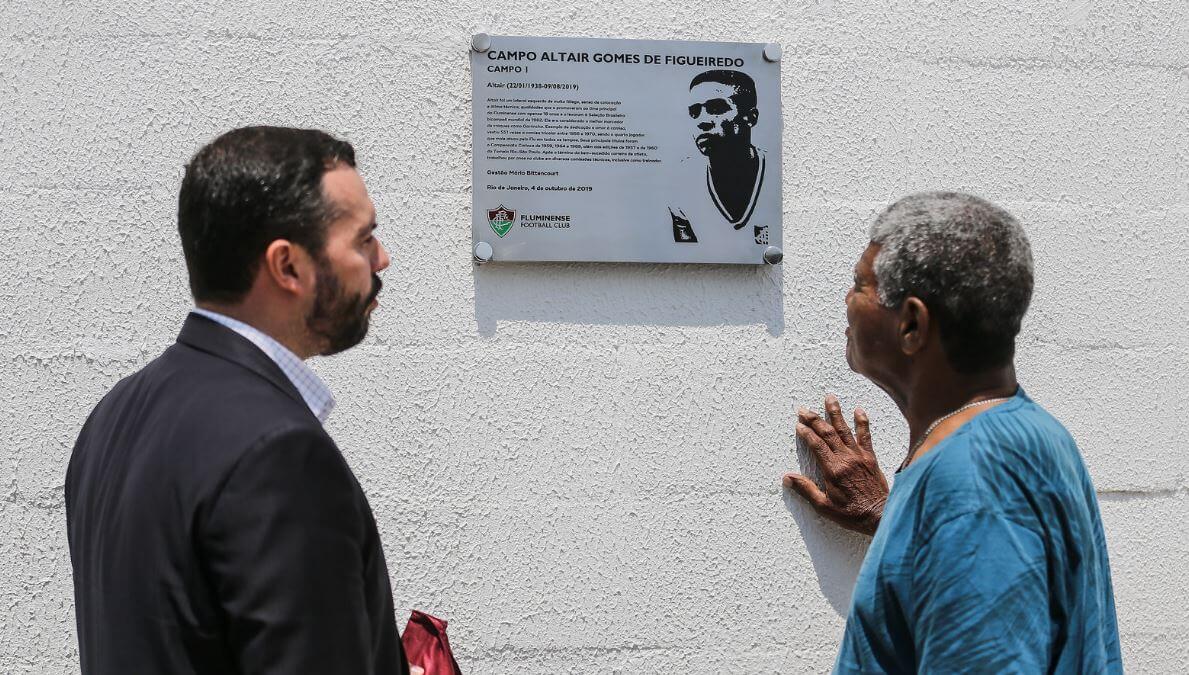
[
  {"x": 283, "y": 547},
  {"x": 980, "y": 598}
]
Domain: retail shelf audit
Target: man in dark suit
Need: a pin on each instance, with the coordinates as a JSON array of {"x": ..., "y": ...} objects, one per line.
[{"x": 214, "y": 526}]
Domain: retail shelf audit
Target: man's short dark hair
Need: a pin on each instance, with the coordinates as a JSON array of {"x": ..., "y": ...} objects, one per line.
[
  {"x": 969, "y": 261},
  {"x": 745, "y": 87},
  {"x": 246, "y": 189}
]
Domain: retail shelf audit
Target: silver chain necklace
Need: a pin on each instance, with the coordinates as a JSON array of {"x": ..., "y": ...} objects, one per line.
[{"x": 925, "y": 436}]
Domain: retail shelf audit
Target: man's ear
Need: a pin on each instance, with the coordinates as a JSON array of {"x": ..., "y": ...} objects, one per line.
[
  {"x": 288, "y": 267},
  {"x": 915, "y": 323},
  {"x": 752, "y": 117}
]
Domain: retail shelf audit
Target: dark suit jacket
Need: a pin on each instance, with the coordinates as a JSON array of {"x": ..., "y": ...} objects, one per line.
[{"x": 215, "y": 528}]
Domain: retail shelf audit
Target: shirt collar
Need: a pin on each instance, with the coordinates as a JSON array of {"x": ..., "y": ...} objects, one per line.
[{"x": 313, "y": 390}]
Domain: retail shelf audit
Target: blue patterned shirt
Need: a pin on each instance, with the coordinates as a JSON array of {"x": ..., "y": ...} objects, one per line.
[
  {"x": 990, "y": 558},
  {"x": 313, "y": 390}
]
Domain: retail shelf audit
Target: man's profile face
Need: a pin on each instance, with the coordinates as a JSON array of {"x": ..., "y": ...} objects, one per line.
[
  {"x": 718, "y": 120},
  {"x": 347, "y": 280},
  {"x": 871, "y": 328}
]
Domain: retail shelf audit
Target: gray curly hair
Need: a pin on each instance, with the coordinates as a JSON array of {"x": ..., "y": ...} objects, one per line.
[{"x": 968, "y": 260}]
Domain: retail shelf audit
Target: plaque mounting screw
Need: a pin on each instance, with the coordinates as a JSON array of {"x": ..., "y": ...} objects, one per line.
[
  {"x": 481, "y": 42},
  {"x": 771, "y": 52},
  {"x": 483, "y": 252},
  {"x": 773, "y": 255}
]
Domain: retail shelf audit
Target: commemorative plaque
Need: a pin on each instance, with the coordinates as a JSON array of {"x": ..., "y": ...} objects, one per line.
[{"x": 625, "y": 150}]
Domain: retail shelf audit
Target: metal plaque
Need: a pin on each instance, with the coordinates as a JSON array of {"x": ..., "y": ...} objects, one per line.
[{"x": 625, "y": 150}]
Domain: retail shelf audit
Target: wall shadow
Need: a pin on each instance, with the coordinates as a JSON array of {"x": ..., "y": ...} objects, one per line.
[
  {"x": 629, "y": 294},
  {"x": 836, "y": 553}
]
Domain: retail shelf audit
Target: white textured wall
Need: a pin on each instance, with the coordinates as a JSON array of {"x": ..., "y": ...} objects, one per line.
[{"x": 578, "y": 464}]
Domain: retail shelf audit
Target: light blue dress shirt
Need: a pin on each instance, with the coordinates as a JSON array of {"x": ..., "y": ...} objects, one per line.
[{"x": 313, "y": 390}]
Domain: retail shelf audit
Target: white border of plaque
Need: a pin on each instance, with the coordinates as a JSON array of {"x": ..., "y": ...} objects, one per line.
[{"x": 588, "y": 149}]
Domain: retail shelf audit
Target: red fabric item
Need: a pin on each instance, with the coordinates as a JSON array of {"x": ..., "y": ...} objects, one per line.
[{"x": 426, "y": 645}]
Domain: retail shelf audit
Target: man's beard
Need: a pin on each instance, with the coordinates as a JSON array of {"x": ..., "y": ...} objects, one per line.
[{"x": 337, "y": 319}]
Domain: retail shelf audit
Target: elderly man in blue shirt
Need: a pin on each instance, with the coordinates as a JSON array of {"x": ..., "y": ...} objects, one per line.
[{"x": 988, "y": 553}]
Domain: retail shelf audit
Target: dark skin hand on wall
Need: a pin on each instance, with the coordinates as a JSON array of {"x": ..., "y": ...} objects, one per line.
[{"x": 855, "y": 489}]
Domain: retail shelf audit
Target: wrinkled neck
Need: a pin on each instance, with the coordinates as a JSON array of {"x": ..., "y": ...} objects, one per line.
[{"x": 941, "y": 393}]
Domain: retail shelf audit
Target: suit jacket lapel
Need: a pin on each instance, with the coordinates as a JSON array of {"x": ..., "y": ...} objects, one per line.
[{"x": 203, "y": 334}]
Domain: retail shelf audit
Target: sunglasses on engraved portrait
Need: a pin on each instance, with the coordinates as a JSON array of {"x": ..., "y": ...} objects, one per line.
[{"x": 715, "y": 106}]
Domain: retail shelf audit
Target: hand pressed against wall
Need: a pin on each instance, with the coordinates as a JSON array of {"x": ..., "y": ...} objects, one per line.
[{"x": 855, "y": 489}]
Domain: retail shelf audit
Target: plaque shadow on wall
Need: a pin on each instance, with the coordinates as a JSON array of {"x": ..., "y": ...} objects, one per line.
[{"x": 629, "y": 294}]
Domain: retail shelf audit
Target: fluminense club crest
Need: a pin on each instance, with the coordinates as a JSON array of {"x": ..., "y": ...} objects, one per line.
[{"x": 501, "y": 219}]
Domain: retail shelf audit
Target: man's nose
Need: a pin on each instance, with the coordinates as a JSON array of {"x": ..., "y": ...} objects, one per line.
[
  {"x": 706, "y": 126},
  {"x": 382, "y": 259}
]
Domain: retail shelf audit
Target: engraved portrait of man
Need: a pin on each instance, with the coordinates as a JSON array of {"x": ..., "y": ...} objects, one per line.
[{"x": 719, "y": 201}]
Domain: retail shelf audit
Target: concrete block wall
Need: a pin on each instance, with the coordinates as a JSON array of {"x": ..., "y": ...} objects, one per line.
[{"x": 578, "y": 465}]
